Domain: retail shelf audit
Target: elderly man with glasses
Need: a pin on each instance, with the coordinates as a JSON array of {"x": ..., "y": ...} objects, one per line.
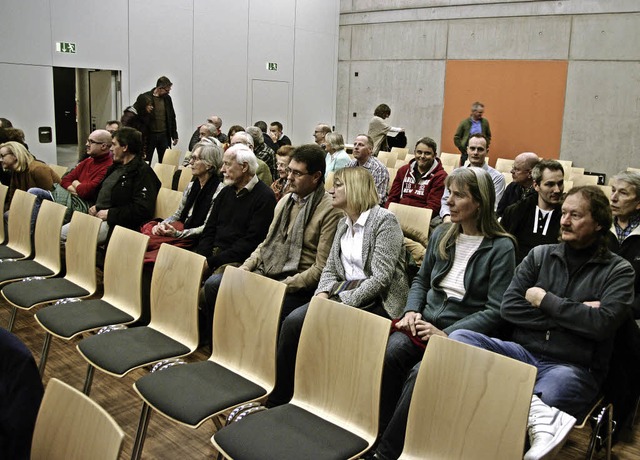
[{"x": 522, "y": 185}]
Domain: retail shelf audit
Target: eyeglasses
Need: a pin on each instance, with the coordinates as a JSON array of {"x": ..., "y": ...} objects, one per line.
[
  {"x": 193, "y": 159},
  {"x": 91, "y": 141},
  {"x": 295, "y": 173}
]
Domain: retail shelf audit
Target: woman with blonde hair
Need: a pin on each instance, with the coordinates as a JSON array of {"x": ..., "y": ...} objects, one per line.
[
  {"x": 27, "y": 172},
  {"x": 468, "y": 265},
  {"x": 365, "y": 268}
]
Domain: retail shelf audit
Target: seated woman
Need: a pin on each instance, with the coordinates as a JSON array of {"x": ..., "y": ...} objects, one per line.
[
  {"x": 365, "y": 268},
  {"x": 467, "y": 268},
  {"x": 27, "y": 171},
  {"x": 184, "y": 227},
  {"x": 280, "y": 186},
  {"x": 337, "y": 157}
]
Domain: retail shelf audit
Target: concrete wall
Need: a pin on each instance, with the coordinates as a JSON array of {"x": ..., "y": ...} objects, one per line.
[
  {"x": 214, "y": 52},
  {"x": 399, "y": 49}
]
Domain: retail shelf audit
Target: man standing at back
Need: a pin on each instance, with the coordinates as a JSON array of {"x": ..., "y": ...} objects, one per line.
[
  {"x": 362, "y": 154},
  {"x": 475, "y": 124},
  {"x": 164, "y": 130}
]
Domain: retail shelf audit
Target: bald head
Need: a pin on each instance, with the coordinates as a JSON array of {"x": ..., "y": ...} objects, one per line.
[
  {"x": 98, "y": 143},
  {"x": 215, "y": 120},
  {"x": 522, "y": 166}
]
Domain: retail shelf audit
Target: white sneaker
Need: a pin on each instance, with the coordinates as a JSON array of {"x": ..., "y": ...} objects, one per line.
[{"x": 548, "y": 429}]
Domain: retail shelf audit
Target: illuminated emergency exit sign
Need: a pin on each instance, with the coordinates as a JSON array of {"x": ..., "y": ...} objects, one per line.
[
  {"x": 273, "y": 66},
  {"x": 66, "y": 47}
]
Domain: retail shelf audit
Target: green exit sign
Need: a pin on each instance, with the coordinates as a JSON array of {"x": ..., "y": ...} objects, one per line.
[
  {"x": 272, "y": 66},
  {"x": 66, "y": 47}
]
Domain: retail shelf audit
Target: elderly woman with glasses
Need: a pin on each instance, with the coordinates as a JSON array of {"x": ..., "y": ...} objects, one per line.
[{"x": 184, "y": 227}]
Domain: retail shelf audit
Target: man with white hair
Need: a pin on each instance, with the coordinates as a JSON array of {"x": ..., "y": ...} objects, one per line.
[{"x": 263, "y": 172}]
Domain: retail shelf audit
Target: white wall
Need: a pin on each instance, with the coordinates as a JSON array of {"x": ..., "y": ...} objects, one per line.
[{"x": 212, "y": 51}]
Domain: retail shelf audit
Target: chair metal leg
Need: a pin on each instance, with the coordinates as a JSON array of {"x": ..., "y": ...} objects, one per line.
[
  {"x": 12, "y": 319},
  {"x": 88, "y": 380},
  {"x": 44, "y": 354},
  {"x": 141, "y": 434}
]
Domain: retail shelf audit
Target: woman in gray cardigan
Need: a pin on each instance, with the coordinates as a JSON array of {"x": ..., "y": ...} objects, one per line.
[{"x": 365, "y": 268}]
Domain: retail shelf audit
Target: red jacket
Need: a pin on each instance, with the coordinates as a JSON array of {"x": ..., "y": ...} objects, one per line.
[
  {"x": 90, "y": 173},
  {"x": 422, "y": 192}
]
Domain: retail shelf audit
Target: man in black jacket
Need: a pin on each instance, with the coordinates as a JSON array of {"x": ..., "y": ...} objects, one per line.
[
  {"x": 127, "y": 194},
  {"x": 163, "y": 129}
]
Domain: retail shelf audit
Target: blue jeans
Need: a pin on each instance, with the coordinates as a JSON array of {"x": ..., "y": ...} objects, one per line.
[
  {"x": 41, "y": 194},
  {"x": 568, "y": 387}
]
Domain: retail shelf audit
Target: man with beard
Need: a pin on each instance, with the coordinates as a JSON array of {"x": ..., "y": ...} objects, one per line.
[{"x": 536, "y": 219}]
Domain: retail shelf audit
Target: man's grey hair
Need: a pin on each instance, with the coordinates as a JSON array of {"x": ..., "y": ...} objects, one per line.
[
  {"x": 215, "y": 121},
  {"x": 541, "y": 166},
  {"x": 256, "y": 134},
  {"x": 245, "y": 138},
  {"x": 242, "y": 154},
  {"x": 211, "y": 129},
  {"x": 631, "y": 178}
]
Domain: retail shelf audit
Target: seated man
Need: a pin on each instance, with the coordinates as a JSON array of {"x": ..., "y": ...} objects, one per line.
[
  {"x": 239, "y": 219},
  {"x": 536, "y": 219},
  {"x": 216, "y": 122},
  {"x": 565, "y": 304},
  {"x": 522, "y": 185},
  {"x": 421, "y": 182},
  {"x": 262, "y": 150},
  {"x": 264, "y": 171},
  {"x": 127, "y": 194},
  {"x": 362, "y": 154},
  {"x": 299, "y": 239},
  {"x": 78, "y": 188}
]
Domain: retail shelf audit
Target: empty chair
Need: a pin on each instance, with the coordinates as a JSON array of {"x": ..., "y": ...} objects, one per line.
[
  {"x": 121, "y": 302},
  {"x": 414, "y": 222},
  {"x": 336, "y": 399},
  {"x": 241, "y": 367},
  {"x": 47, "y": 260},
  {"x": 19, "y": 226},
  {"x": 481, "y": 400},
  {"x": 185, "y": 177},
  {"x": 167, "y": 202},
  {"x": 568, "y": 185},
  {"x": 164, "y": 173},
  {"x": 450, "y": 159},
  {"x": 401, "y": 152},
  {"x": 504, "y": 165},
  {"x": 584, "y": 180},
  {"x": 72, "y": 426},
  {"x": 566, "y": 165},
  {"x": 388, "y": 158},
  {"x": 173, "y": 330},
  {"x": 574, "y": 172},
  {"x": 172, "y": 157},
  {"x": 79, "y": 280}
]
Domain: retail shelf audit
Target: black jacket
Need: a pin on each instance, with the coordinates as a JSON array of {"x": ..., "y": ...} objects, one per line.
[{"x": 170, "y": 113}]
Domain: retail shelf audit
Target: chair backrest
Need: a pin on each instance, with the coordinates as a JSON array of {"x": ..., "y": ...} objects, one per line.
[
  {"x": 568, "y": 185},
  {"x": 566, "y": 165},
  {"x": 400, "y": 163},
  {"x": 468, "y": 403},
  {"x": 450, "y": 159},
  {"x": 164, "y": 173},
  {"x": 3, "y": 197},
  {"x": 574, "y": 172},
  {"x": 339, "y": 365},
  {"x": 245, "y": 325},
  {"x": 59, "y": 170},
  {"x": 82, "y": 241},
  {"x": 123, "y": 270},
  {"x": 174, "y": 294},
  {"x": 508, "y": 178},
  {"x": 584, "y": 179},
  {"x": 392, "y": 175},
  {"x": 185, "y": 177},
  {"x": 19, "y": 226},
  {"x": 607, "y": 189},
  {"x": 400, "y": 151},
  {"x": 630, "y": 169},
  {"x": 47, "y": 235},
  {"x": 167, "y": 202},
  {"x": 328, "y": 181},
  {"x": 388, "y": 158},
  {"x": 70, "y": 425},
  {"x": 414, "y": 221},
  {"x": 171, "y": 157},
  {"x": 504, "y": 165}
]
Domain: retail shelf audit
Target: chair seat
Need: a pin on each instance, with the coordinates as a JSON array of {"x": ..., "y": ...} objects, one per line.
[
  {"x": 288, "y": 432},
  {"x": 22, "y": 269},
  {"x": 30, "y": 293},
  {"x": 118, "y": 352},
  {"x": 67, "y": 320},
  {"x": 212, "y": 388},
  {"x": 7, "y": 253}
]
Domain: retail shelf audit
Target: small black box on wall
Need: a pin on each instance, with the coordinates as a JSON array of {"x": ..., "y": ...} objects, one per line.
[{"x": 44, "y": 135}]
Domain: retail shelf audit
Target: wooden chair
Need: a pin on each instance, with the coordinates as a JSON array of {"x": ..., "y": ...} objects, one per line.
[
  {"x": 80, "y": 279},
  {"x": 167, "y": 202},
  {"x": 185, "y": 177},
  {"x": 607, "y": 189},
  {"x": 584, "y": 180},
  {"x": 388, "y": 158},
  {"x": 400, "y": 163},
  {"x": 451, "y": 159},
  {"x": 71, "y": 425},
  {"x": 59, "y": 170},
  {"x": 566, "y": 165},
  {"x": 336, "y": 398},
  {"x": 121, "y": 302},
  {"x": 568, "y": 185},
  {"x": 47, "y": 261},
  {"x": 449, "y": 168},
  {"x": 3, "y": 198},
  {"x": 392, "y": 176},
  {"x": 172, "y": 157},
  {"x": 165, "y": 174},
  {"x": 508, "y": 178},
  {"x": 504, "y": 165},
  {"x": 636, "y": 170},
  {"x": 481, "y": 400},
  {"x": 328, "y": 181},
  {"x": 402, "y": 152},
  {"x": 574, "y": 172},
  {"x": 414, "y": 222},
  {"x": 600, "y": 420},
  {"x": 242, "y": 365},
  {"x": 19, "y": 245},
  {"x": 173, "y": 330}
]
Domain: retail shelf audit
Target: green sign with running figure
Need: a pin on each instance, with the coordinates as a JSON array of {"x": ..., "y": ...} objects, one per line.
[{"x": 66, "y": 47}]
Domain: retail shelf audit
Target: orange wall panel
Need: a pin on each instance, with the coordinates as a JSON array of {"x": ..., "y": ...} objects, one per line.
[{"x": 524, "y": 103}]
